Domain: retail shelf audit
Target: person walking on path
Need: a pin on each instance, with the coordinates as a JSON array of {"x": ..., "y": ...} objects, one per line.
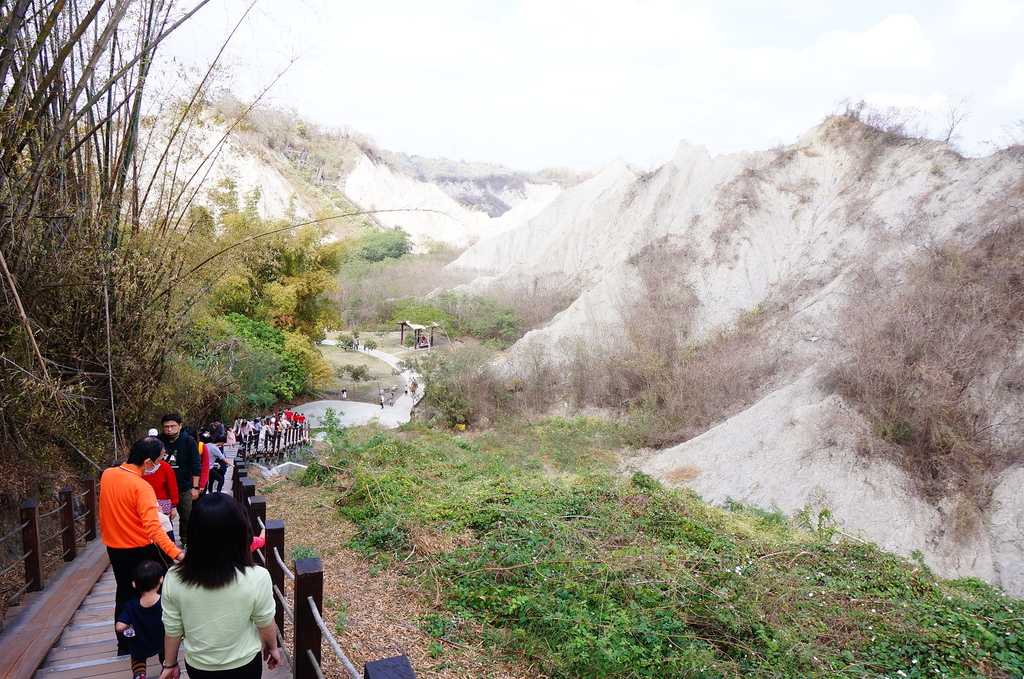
[
  {"x": 129, "y": 525},
  {"x": 391, "y": 399},
  {"x": 218, "y": 435},
  {"x": 165, "y": 487},
  {"x": 382, "y": 400},
  {"x": 219, "y": 464},
  {"x": 183, "y": 457},
  {"x": 144, "y": 617},
  {"x": 216, "y": 602}
]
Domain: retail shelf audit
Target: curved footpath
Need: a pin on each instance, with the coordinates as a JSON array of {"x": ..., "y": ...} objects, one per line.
[{"x": 353, "y": 413}]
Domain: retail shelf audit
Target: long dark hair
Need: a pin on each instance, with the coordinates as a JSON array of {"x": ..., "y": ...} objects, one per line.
[{"x": 219, "y": 537}]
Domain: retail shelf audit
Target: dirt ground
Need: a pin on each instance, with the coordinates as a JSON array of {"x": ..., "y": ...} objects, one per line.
[{"x": 377, "y": 611}]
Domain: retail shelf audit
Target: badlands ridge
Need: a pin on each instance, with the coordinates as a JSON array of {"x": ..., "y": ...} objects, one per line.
[{"x": 791, "y": 234}]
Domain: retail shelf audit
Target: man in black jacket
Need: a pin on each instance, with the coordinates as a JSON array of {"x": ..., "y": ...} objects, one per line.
[
  {"x": 218, "y": 434},
  {"x": 182, "y": 453}
]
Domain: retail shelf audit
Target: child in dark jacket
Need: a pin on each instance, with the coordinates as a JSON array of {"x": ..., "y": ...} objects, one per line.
[{"x": 142, "y": 618}]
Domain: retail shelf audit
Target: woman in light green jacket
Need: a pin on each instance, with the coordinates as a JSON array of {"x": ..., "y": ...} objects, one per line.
[{"x": 218, "y": 600}]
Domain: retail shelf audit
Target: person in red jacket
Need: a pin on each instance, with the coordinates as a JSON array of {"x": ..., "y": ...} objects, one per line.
[
  {"x": 165, "y": 486},
  {"x": 204, "y": 456}
]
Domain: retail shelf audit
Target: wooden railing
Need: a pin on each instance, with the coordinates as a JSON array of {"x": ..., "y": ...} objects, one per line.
[
  {"x": 62, "y": 522},
  {"x": 304, "y": 607},
  {"x": 276, "y": 447}
]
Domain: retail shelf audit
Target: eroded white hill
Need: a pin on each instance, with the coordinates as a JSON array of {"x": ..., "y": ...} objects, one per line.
[
  {"x": 430, "y": 214},
  {"x": 796, "y": 231}
]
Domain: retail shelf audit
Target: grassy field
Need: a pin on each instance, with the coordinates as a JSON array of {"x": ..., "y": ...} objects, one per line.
[
  {"x": 381, "y": 375},
  {"x": 525, "y": 542}
]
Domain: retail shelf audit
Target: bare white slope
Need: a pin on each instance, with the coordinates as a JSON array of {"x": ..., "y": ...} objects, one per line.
[
  {"x": 794, "y": 227},
  {"x": 204, "y": 155},
  {"x": 428, "y": 213},
  {"x": 796, "y": 449}
]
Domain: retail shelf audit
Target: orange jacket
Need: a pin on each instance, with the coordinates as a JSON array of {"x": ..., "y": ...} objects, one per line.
[{"x": 128, "y": 512}]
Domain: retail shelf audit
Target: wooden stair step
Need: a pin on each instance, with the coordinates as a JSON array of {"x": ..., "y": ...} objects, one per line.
[
  {"x": 98, "y": 599},
  {"x": 84, "y": 616},
  {"x": 91, "y": 650},
  {"x": 80, "y": 634},
  {"x": 118, "y": 667}
]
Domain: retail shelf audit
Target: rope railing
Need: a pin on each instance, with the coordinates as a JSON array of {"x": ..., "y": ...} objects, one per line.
[
  {"x": 19, "y": 593},
  {"x": 52, "y": 512},
  {"x": 55, "y": 535},
  {"x": 13, "y": 565},
  {"x": 315, "y": 664},
  {"x": 331, "y": 641},
  {"x": 284, "y": 603},
  {"x": 61, "y": 556},
  {"x": 283, "y": 565},
  {"x": 14, "y": 532},
  {"x": 35, "y": 548},
  {"x": 303, "y": 608}
]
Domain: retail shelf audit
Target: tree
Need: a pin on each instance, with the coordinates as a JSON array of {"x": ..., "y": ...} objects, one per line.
[
  {"x": 387, "y": 244},
  {"x": 955, "y": 111}
]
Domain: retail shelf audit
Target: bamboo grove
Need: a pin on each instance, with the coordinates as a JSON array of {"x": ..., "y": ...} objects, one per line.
[{"x": 95, "y": 271}]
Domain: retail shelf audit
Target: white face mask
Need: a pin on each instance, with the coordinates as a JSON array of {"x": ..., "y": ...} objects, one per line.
[{"x": 147, "y": 472}]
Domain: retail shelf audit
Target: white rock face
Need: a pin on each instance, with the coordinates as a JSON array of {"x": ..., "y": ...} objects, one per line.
[
  {"x": 428, "y": 213},
  {"x": 795, "y": 229},
  {"x": 205, "y": 155}
]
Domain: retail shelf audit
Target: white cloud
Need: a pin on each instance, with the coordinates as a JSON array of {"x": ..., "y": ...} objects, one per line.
[
  {"x": 1011, "y": 93},
  {"x": 897, "y": 42},
  {"x": 588, "y": 26},
  {"x": 542, "y": 82},
  {"x": 987, "y": 17}
]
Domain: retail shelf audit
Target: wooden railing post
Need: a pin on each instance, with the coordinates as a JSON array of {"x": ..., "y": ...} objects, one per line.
[
  {"x": 257, "y": 512},
  {"x": 236, "y": 483},
  {"x": 275, "y": 540},
  {"x": 32, "y": 546},
  {"x": 309, "y": 582},
  {"x": 91, "y": 507},
  {"x": 248, "y": 491},
  {"x": 67, "y": 523}
]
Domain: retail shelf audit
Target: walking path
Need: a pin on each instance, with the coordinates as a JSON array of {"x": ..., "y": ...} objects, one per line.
[
  {"x": 353, "y": 413},
  {"x": 87, "y": 648}
]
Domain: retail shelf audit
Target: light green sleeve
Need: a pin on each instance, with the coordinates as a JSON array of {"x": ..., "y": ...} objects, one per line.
[
  {"x": 263, "y": 605},
  {"x": 171, "y": 606}
]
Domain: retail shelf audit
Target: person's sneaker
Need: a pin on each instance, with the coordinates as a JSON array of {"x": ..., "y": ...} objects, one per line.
[{"x": 140, "y": 676}]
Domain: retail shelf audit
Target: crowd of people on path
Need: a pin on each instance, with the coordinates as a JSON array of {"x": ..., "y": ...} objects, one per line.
[
  {"x": 262, "y": 430},
  {"x": 206, "y": 595}
]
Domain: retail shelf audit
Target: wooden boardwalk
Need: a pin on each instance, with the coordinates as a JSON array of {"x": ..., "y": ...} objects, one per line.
[{"x": 66, "y": 631}]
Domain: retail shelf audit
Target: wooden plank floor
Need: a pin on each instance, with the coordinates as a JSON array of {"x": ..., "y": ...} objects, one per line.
[{"x": 88, "y": 649}]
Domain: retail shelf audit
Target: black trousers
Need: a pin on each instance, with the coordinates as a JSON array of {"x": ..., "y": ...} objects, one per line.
[
  {"x": 216, "y": 478},
  {"x": 123, "y": 563},
  {"x": 252, "y": 670}
]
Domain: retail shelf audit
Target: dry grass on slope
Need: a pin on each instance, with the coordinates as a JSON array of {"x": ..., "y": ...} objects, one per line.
[
  {"x": 382, "y": 610},
  {"x": 932, "y": 364}
]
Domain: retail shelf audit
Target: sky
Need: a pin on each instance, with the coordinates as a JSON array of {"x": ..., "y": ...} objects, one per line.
[{"x": 579, "y": 83}]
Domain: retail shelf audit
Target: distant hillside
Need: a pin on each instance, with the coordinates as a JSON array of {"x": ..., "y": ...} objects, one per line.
[
  {"x": 306, "y": 170},
  {"x": 475, "y": 185}
]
